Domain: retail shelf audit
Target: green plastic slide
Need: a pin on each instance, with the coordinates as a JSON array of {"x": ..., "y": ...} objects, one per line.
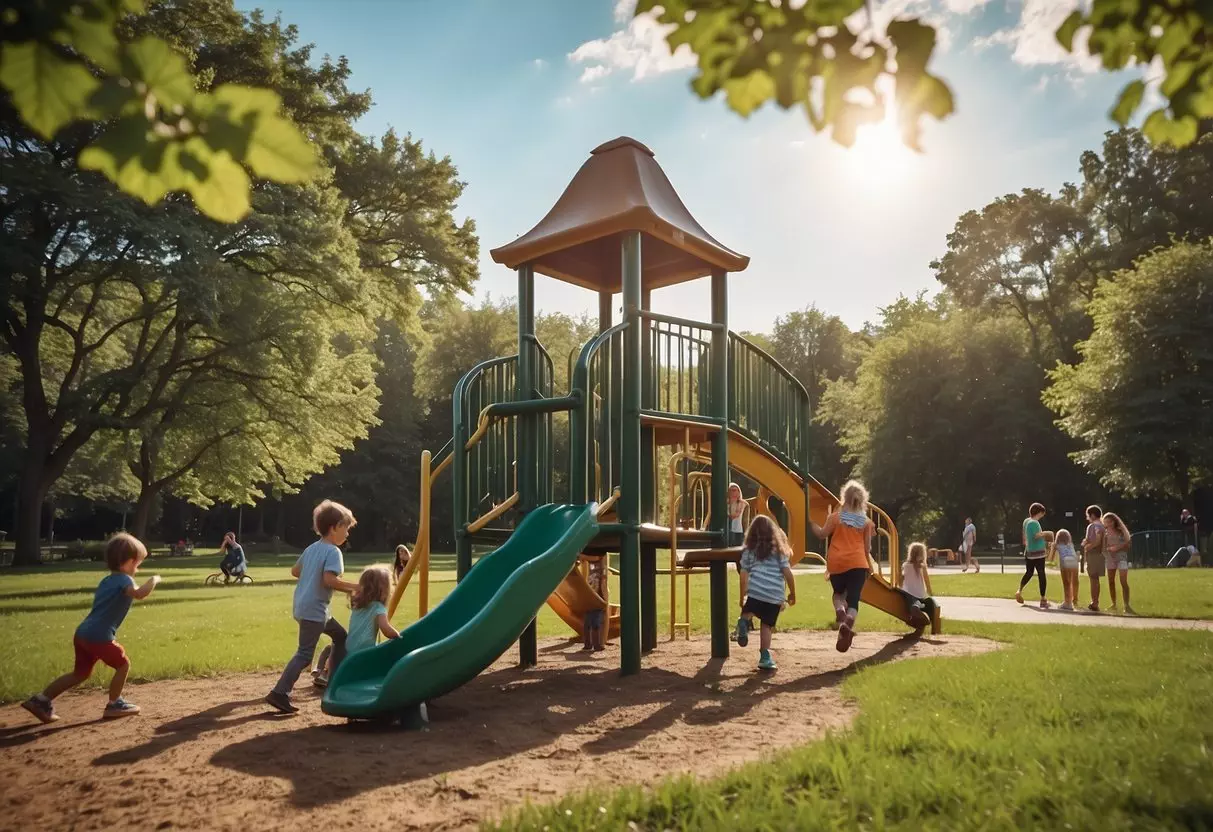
[{"x": 485, "y": 613}]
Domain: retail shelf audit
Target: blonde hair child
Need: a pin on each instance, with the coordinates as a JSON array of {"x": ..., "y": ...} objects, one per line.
[
  {"x": 916, "y": 586},
  {"x": 1068, "y": 561},
  {"x": 369, "y": 605},
  {"x": 850, "y": 532},
  {"x": 1117, "y": 541}
]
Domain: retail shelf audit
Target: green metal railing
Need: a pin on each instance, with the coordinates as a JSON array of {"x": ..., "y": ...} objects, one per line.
[
  {"x": 595, "y": 432},
  {"x": 679, "y": 368},
  {"x": 768, "y": 404},
  {"x": 485, "y": 474}
]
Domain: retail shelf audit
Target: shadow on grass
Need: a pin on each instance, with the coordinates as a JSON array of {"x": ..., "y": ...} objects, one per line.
[{"x": 507, "y": 713}]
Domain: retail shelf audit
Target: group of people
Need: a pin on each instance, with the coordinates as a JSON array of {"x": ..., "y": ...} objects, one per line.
[
  {"x": 1104, "y": 550},
  {"x": 768, "y": 584}
]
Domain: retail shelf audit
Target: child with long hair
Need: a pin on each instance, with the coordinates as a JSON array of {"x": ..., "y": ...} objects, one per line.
[
  {"x": 737, "y": 507},
  {"x": 1117, "y": 540},
  {"x": 1068, "y": 561},
  {"x": 763, "y": 571},
  {"x": 916, "y": 586},
  {"x": 369, "y": 605},
  {"x": 850, "y": 532},
  {"x": 400, "y": 561}
]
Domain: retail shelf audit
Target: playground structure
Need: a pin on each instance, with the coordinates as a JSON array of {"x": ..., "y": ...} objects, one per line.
[{"x": 661, "y": 412}]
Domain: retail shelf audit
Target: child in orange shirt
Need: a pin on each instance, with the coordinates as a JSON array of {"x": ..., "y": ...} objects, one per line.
[{"x": 850, "y": 532}]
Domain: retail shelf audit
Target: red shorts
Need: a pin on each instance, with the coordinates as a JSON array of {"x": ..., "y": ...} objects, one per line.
[{"x": 88, "y": 653}]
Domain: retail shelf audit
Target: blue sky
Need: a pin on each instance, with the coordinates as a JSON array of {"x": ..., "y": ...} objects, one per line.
[{"x": 517, "y": 92}]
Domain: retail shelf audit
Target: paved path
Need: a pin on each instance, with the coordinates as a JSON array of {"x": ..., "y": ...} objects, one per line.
[{"x": 1006, "y": 611}]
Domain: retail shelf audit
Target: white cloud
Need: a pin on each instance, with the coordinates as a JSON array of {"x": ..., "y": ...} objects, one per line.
[
  {"x": 639, "y": 47},
  {"x": 539, "y": 64},
  {"x": 963, "y": 6},
  {"x": 1033, "y": 41}
]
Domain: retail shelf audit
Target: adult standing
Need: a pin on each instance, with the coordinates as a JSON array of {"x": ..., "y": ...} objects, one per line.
[
  {"x": 1035, "y": 548},
  {"x": 1092, "y": 551},
  {"x": 1190, "y": 527},
  {"x": 968, "y": 539}
]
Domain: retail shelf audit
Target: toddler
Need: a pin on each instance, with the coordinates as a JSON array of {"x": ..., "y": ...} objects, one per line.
[
  {"x": 594, "y": 629},
  {"x": 369, "y": 605},
  {"x": 1068, "y": 562}
]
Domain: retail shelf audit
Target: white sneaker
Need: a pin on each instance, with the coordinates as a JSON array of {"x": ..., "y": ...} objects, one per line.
[{"x": 1067, "y": 606}]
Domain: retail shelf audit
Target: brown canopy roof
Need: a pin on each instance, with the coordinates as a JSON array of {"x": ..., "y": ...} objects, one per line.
[{"x": 619, "y": 188}]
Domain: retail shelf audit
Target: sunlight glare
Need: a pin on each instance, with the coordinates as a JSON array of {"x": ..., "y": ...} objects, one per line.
[{"x": 878, "y": 158}]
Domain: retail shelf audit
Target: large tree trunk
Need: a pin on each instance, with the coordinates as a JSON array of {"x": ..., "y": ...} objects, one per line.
[
  {"x": 143, "y": 510},
  {"x": 30, "y": 495}
]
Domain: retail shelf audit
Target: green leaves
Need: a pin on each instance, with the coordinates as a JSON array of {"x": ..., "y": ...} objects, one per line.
[
  {"x": 814, "y": 56},
  {"x": 1177, "y": 34},
  {"x": 161, "y": 133},
  {"x": 48, "y": 90}
]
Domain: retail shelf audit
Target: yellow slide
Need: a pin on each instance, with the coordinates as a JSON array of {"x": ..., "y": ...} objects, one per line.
[
  {"x": 574, "y": 598},
  {"x": 775, "y": 477}
]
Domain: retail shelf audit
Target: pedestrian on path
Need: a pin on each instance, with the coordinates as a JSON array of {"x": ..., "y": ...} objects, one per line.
[
  {"x": 1092, "y": 550},
  {"x": 968, "y": 540},
  {"x": 1035, "y": 548},
  {"x": 1117, "y": 541}
]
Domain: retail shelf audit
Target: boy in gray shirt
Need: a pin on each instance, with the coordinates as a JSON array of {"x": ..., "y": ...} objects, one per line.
[{"x": 319, "y": 571}]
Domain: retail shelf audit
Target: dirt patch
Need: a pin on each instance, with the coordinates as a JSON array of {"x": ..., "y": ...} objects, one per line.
[{"x": 207, "y": 754}]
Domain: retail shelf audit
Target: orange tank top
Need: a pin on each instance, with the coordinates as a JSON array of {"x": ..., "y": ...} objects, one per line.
[{"x": 848, "y": 549}]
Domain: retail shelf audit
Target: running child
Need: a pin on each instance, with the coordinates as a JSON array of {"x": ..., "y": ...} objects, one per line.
[
  {"x": 850, "y": 532},
  {"x": 763, "y": 571},
  {"x": 1117, "y": 541},
  {"x": 1068, "y": 561},
  {"x": 94, "y": 640},
  {"x": 594, "y": 629},
  {"x": 368, "y": 603},
  {"x": 916, "y": 586},
  {"x": 319, "y": 571}
]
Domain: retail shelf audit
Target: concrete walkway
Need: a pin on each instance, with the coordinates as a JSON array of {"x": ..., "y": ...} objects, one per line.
[{"x": 1006, "y": 611}]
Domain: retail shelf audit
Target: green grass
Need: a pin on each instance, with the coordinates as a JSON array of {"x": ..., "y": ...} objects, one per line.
[
  {"x": 1067, "y": 728},
  {"x": 1163, "y": 593}
]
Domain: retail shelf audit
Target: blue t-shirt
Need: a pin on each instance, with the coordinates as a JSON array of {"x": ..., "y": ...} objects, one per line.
[
  {"x": 312, "y": 597},
  {"x": 362, "y": 627},
  {"x": 1036, "y": 545},
  {"x": 110, "y": 606}
]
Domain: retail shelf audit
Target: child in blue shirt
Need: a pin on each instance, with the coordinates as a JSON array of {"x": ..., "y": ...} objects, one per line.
[
  {"x": 369, "y": 605},
  {"x": 319, "y": 571},
  {"x": 94, "y": 639},
  {"x": 763, "y": 571}
]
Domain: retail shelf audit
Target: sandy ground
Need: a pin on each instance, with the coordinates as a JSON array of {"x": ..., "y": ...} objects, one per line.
[{"x": 207, "y": 754}]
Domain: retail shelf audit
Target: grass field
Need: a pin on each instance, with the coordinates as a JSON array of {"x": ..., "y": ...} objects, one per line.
[
  {"x": 1067, "y": 728},
  {"x": 188, "y": 629}
]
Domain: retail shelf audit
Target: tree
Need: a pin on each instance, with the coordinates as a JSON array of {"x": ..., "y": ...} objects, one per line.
[
  {"x": 944, "y": 419},
  {"x": 154, "y": 126},
  {"x": 1006, "y": 255},
  {"x": 832, "y": 60},
  {"x": 817, "y": 349},
  {"x": 1141, "y": 399},
  {"x": 116, "y": 311}
]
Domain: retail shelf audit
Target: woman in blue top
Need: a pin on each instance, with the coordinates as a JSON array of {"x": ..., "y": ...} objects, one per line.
[
  {"x": 234, "y": 562},
  {"x": 1035, "y": 548}
]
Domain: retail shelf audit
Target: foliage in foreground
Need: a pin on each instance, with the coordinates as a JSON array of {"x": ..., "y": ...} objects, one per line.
[{"x": 1066, "y": 728}]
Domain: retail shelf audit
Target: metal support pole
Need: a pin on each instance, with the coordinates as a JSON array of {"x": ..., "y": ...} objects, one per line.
[
  {"x": 648, "y": 596},
  {"x": 605, "y": 305},
  {"x": 628, "y": 506},
  {"x": 719, "y": 580},
  {"x": 528, "y": 449}
]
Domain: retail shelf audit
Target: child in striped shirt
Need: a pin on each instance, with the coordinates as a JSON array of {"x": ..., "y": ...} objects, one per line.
[{"x": 763, "y": 571}]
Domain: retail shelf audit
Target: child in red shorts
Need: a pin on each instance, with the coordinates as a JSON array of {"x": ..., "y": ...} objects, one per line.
[{"x": 94, "y": 639}]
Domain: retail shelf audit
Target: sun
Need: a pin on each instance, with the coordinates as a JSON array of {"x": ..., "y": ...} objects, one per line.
[{"x": 878, "y": 157}]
